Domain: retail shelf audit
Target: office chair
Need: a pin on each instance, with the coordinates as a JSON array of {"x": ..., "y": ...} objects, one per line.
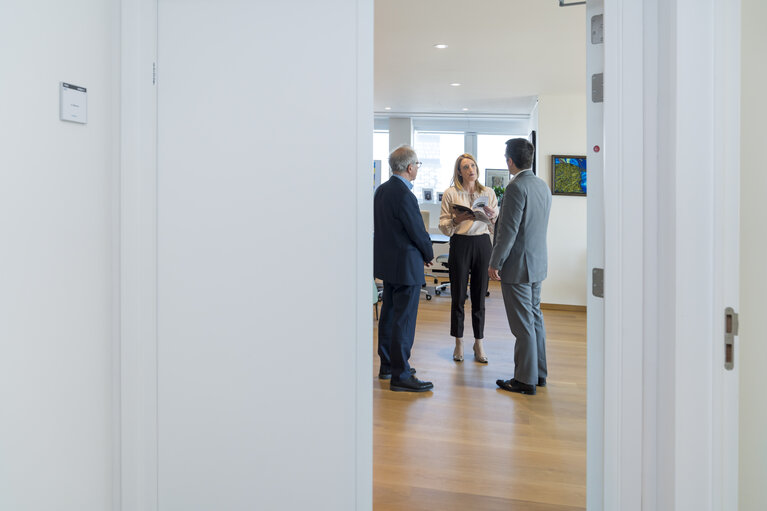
[
  {"x": 425, "y": 217},
  {"x": 377, "y": 295},
  {"x": 443, "y": 260}
]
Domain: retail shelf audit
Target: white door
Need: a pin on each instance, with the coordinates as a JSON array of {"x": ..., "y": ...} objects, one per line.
[
  {"x": 248, "y": 267},
  {"x": 671, "y": 181},
  {"x": 264, "y": 254},
  {"x": 726, "y": 140}
]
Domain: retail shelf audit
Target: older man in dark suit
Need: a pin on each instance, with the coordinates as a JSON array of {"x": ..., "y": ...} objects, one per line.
[
  {"x": 402, "y": 248},
  {"x": 520, "y": 261}
]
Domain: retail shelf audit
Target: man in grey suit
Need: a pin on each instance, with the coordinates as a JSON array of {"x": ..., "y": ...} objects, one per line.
[{"x": 520, "y": 262}]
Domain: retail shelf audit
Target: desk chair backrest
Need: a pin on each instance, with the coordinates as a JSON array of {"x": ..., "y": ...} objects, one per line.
[{"x": 425, "y": 217}]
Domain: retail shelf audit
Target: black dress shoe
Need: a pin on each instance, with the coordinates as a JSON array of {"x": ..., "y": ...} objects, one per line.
[
  {"x": 516, "y": 386},
  {"x": 541, "y": 382},
  {"x": 385, "y": 374},
  {"x": 412, "y": 384}
]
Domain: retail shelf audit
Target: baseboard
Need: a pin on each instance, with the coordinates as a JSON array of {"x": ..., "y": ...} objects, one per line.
[{"x": 562, "y": 307}]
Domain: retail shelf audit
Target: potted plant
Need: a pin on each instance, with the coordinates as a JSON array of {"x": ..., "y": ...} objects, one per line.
[{"x": 499, "y": 193}]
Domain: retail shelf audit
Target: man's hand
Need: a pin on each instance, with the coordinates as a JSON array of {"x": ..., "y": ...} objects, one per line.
[
  {"x": 493, "y": 273},
  {"x": 428, "y": 264}
]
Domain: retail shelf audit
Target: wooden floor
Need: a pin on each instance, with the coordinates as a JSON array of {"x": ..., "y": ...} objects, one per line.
[{"x": 470, "y": 446}]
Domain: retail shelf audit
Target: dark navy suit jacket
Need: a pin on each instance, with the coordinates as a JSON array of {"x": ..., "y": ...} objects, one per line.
[{"x": 400, "y": 244}]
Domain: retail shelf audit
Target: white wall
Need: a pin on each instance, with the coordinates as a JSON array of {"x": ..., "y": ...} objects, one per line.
[
  {"x": 400, "y": 132},
  {"x": 562, "y": 130},
  {"x": 58, "y": 214},
  {"x": 753, "y": 254},
  {"x": 264, "y": 346}
]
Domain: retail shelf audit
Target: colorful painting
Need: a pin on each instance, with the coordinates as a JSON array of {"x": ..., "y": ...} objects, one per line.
[{"x": 568, "y": 175}]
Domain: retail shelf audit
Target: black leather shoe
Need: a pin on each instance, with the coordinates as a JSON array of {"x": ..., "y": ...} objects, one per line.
[
  {"x": 541, "y": 382},
  {"x": 516, "y": 386},
  {"x": 412, "y": 384},
  {"x": 385, "y": 374}
]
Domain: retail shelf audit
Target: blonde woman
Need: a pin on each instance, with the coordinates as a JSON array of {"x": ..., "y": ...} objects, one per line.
[{"x": 470, "y": 249}]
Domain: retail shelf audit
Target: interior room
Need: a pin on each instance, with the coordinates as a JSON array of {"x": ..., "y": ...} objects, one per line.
[
  {"x": 478, "y": 78},
  {"x": 539, "y": 86}
]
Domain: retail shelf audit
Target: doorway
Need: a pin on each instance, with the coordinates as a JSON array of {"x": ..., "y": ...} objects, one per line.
[
  {"x": 456, "y": 451},
  {"x": 669, "y": 304}
]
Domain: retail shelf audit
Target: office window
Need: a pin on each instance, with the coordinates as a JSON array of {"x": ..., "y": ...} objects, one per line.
[
  {"x": 437, "y": 152},
  {"x": 381, "y": 152},
  {"x": 490, "y": 152}
]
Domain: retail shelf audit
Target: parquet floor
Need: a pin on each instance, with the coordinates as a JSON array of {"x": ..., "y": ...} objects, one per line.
[{"x": 469, "y": 446}]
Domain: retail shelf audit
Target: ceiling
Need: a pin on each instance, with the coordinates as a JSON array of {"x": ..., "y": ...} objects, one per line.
[{"x": 504, "y": 53}]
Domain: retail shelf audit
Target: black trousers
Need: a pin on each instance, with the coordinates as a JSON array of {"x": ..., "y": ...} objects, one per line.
[{"x": 468, "y": 255}]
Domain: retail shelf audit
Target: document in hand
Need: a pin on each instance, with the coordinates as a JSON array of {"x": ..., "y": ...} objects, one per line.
[{"x": 475, "y": 210}]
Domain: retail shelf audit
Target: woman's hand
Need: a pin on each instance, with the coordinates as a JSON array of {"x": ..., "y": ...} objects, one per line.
[{"x": 462, "y": 216}]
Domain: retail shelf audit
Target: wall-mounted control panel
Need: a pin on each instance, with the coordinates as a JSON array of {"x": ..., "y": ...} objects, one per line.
[{"x": 73, "y": 103}]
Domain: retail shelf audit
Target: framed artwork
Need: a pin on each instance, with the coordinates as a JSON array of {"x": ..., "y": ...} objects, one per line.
[
  {"x": 568, "y": 175},
  {"x": 428, "y": 194},
  {"x": 496, "y": 177}
]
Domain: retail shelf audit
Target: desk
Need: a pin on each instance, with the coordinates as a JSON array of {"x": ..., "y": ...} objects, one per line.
[{"x": 439, "y": 238}]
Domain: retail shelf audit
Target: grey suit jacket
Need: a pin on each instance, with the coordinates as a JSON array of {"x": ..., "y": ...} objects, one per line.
[{"x": 519, "y": 248}]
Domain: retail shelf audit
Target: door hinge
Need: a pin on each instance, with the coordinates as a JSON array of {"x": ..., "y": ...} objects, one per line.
[
  {"x": 154, "y": 73},
  {"x": 597, "y": 29},
  {"x": 597, "y": 88},
  {"x": 730, "y": 331},
  {"x": 598, "y": 282}
]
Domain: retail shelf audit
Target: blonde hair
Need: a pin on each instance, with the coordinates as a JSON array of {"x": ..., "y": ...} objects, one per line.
[{"x": 458, "y": 180}]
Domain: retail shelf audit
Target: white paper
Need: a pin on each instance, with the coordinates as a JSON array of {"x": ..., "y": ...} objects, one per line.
[{"x": 479, "y": 202}]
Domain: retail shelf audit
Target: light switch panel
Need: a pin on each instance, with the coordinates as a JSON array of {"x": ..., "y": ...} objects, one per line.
[{"x": 73, "y": 103}]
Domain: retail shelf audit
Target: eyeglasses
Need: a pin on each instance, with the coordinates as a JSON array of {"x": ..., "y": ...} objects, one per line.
[{"x": 417, "y": 164}]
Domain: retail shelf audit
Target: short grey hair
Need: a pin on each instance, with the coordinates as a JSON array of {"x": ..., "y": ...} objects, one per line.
[{"x": 401, "y": 157}]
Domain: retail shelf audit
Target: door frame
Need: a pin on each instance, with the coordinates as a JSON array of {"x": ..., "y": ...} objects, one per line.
[{"x": 138, "y": 265}]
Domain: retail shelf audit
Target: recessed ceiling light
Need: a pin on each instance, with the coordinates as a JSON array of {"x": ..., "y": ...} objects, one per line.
[
  {"x": 387, "y": 108},
  {"x": 455, "y": 84},
  {"x": 440, "y": 46},
  {"x": 465, "y": 109}
]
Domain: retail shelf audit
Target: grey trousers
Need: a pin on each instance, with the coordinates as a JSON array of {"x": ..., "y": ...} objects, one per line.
[{"x": 523, "y": 310}]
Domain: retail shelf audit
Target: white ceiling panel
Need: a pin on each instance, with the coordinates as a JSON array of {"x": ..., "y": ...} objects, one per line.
[{"x": 503, "y": 52}]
